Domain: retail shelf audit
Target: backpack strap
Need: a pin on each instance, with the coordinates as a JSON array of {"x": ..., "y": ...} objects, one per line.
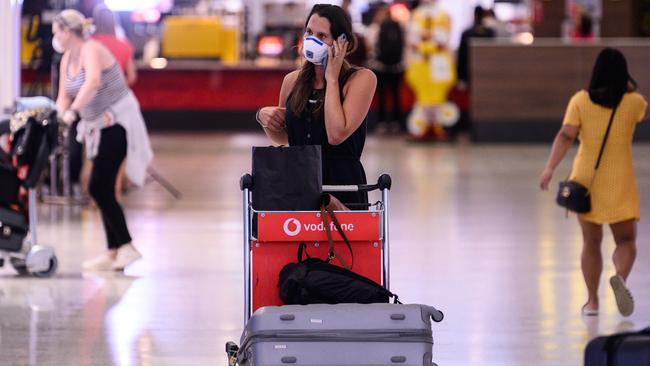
[{"x": 302, "y": 249}]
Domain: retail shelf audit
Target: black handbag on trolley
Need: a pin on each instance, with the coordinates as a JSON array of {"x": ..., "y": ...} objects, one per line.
[
  {"x": 574, "y": 196},
  {"x": 287, "y": 178}
]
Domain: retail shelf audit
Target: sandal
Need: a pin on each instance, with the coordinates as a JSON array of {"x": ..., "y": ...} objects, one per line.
[
  {"x": 588, "y": 312},
  {"x": 624, "y": 299}
]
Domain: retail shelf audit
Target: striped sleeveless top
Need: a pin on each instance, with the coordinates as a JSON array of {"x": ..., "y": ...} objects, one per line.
[{"x": 111, "y": 89}]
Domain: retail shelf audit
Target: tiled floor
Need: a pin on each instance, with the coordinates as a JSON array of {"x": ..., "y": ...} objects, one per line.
[{"x": 471, "y": 234}]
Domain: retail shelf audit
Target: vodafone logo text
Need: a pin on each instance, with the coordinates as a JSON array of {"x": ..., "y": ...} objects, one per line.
[{"x": 291, "y": 227}]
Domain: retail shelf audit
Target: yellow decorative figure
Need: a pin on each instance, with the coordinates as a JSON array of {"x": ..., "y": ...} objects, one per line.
[{"x": 430, "y": 73}]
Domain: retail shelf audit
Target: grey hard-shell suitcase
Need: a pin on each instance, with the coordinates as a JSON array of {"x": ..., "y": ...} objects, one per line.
[{"x": 342, "y": 334}]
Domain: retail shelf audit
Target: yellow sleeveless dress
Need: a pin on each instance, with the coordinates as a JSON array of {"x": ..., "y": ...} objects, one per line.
[{"x": 614, "y": 193}]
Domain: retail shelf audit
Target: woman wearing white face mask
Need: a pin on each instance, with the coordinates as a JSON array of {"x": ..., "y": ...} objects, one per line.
[
  {"x": 92, "y": 88},
  {"x": 326, "y": 101}
]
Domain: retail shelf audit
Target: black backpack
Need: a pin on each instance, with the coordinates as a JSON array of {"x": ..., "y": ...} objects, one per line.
[
  {"x": 390, "y": 43},
  {"x": 315, "y": 281}
]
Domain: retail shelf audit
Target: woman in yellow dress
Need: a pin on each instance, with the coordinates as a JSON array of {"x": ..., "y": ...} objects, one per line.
[{"x": 613, "y": 189}]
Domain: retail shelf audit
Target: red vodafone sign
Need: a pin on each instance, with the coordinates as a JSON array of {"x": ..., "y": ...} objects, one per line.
[{"x": 309, "y": 226}]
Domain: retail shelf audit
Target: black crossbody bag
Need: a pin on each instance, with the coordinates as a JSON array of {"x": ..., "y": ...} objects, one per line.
[{"x": 574, "y": 196}]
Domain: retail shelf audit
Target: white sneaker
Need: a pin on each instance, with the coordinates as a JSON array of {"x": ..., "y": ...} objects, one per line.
[
  {"x": 126, "y": 255},
  {"x": 624, "y": 299},
  {"x": 100, "y": 263}
]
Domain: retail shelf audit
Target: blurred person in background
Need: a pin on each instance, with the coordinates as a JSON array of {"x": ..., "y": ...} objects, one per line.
[
  {"x": 105, "y": 33},
  {"x": 92, "y": 89},
  {"x": 491, "y": 21},
  {"x": 122, "y": 50},
  {"x": 326, "y": 101},
  {"x": 583, "y": 30},
  {"x": 359, "y": 55},
  {"x": 385, "y": 42},
  {"x": 612, "y": 187},
  {"x": 104, "y": 21},
  {"x": 477, "y": 30}
]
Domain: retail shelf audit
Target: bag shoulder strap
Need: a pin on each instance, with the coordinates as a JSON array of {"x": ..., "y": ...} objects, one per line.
[
  {"x": 602, "y": 145},
  {"x": 342, "y": 233},
  {"x": 333, "y": 253}
]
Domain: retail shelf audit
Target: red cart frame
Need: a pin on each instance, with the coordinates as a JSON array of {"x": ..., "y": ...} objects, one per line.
[{"x": 280, "y": 232}]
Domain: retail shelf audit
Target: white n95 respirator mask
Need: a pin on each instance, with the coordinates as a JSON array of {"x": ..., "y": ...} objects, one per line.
[{"x": 315, "y": 50}]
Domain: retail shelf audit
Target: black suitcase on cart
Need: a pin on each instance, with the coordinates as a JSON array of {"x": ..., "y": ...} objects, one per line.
[{"x": 623, "y": 349}]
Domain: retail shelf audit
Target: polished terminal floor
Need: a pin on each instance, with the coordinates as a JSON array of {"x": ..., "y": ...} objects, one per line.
[{"x": 471, "y": 235}]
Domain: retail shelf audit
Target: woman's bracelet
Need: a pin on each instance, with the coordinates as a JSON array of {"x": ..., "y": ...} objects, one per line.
[{"x": 257, "y": 118}]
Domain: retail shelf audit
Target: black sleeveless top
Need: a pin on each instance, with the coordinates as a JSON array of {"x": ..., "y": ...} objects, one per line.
[{"x": 341, "y": 163}]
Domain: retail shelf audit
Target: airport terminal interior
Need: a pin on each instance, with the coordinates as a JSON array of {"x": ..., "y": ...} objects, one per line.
[{"x": 482, "y": 88}]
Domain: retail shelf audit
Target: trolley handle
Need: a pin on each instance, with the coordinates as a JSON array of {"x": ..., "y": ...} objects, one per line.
[
  {"x": 246, "y": 182},
  {"x": 384, "y": 182}
]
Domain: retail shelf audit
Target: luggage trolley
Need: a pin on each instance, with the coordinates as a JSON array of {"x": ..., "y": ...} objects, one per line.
[
  {"x": 279, "y": 234},
  {"x": 21, "y": 247}
]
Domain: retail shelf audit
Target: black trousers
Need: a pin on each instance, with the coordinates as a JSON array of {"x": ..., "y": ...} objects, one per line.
[
  {"x": 389, "y": 82},
  {"x": 111, "y": 154}
]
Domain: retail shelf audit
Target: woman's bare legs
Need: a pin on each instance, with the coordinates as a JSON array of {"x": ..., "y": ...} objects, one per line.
[
  {"x": 625, "y": 252},
  {"x": 624, "y": 255},
  {"x": 591, "y": 260}
]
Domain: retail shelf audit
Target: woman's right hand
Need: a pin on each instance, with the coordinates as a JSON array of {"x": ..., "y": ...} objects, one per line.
[
  {"x": 545, "y": 179},
  {"x": 272, "y": 118}
]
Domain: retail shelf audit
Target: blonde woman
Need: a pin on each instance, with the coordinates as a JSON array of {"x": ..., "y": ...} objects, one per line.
[{"x": 92, "y": 88}]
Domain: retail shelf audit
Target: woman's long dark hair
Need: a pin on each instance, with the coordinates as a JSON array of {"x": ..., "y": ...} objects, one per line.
[
  {"x": 339, "y": 24},
  {"x": 610, "y": 79}
]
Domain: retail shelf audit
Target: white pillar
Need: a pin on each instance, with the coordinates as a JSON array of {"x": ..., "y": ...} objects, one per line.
[{"x": 9, "y": 52}]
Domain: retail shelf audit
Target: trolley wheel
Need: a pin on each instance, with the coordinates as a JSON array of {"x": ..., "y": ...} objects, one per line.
[
  {"x": 19, "y": 265},
  {"x": 54, "y": 264},
  {"x": 231, "y": 350},
  {"x": 442, "y": 316}
]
